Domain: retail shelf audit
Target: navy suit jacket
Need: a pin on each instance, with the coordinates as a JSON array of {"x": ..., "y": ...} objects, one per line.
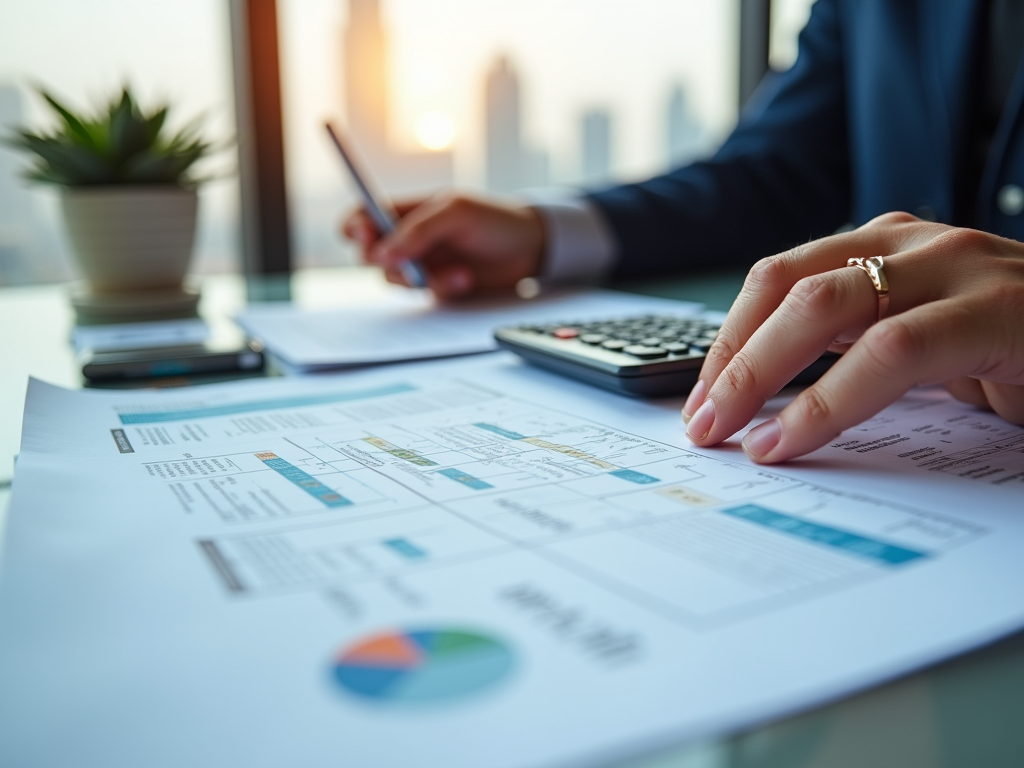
[{"x": 874, "y": 116}]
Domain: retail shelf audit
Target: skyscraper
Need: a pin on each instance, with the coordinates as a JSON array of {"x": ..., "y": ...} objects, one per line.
[
  {"x": 684, "y": 139},
  {"x": 367, "y": 93},
  {"x": 501, "y": 121},
  {"x": 364, "y": 51},
  {"x": 596, "y": 146},
  {"x": 510, "y": 163}
]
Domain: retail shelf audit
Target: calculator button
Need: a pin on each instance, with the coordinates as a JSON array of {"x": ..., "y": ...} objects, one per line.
[
  {"x": 616, "y": 345},
  {"x": 651, "y": 341},
  {"x": 593, "y": 338},
  {"x": 565, "y": 333},
  {"x": 644, "y": 352},
  {"x": 675, "y": 348},
  {"x": 700, "y": 346}
]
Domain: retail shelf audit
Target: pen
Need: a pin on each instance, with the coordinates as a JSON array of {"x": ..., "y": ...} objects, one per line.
[{"x": 383, "y": 214}]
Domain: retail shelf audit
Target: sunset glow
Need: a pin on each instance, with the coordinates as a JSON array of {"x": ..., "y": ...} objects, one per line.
[{"x": 435, "y": 130}]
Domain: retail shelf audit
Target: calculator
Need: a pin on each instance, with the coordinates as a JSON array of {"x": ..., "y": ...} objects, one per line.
[{"x": 640, "y": 356}]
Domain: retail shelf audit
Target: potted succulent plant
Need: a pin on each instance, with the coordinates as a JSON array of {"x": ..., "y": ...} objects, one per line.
[{"x": 127, "y": 192}]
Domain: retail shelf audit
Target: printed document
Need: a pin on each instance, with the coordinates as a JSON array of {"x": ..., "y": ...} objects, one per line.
[
  {"x": 411, "y": 326},
  {"x": 472, "y": 563}
]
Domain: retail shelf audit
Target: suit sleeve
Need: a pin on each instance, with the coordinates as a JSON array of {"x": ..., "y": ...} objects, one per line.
[{"x": 781, "y": 178}]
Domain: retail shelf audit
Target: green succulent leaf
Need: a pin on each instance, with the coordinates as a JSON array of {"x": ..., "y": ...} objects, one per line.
[
  {"x": 78, "y": 164},
  {"x": 47, "y": 175},
  {"x": 75, "y": 127},
  {"x": 155, "y": 124},
  {"x": 150, "y": 167}
]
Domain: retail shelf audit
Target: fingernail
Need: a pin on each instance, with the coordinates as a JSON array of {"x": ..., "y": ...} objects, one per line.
[
  {"x": 702, "y": 421},
  {"x": 694, "y": 400},
  {"x": 458, "y": 282},
  {"x": 762, "y": 438}
]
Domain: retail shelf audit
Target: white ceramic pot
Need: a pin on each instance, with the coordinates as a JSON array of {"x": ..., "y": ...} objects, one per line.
[{"x": 131, "y": 238}]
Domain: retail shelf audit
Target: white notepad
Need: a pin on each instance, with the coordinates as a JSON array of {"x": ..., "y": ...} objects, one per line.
[{"x": 411, "y": 326}]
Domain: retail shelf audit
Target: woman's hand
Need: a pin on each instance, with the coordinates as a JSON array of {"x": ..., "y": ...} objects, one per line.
[
  {"x": 956, "y": 316},
  {"x": 465, "y": 244}
]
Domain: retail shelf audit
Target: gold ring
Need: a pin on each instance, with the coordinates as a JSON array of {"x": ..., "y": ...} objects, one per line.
[{"x": 872, "y": 267}]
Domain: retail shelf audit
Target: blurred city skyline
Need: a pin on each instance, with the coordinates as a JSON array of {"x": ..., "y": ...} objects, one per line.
[
  {"x": 512, "y": 159},
  {"x": 568, "y": 57}
]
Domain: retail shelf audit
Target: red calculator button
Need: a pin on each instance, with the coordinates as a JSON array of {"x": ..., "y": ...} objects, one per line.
[{"x": 565, "y": 333}]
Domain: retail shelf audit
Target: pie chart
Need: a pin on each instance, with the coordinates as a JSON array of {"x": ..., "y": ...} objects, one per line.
[{"x": 422, "y": 666}]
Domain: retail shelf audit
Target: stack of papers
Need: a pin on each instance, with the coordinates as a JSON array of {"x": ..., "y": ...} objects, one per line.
[
  {"x": 412, "y": 327},
  {"x": 472, "y": 563}
]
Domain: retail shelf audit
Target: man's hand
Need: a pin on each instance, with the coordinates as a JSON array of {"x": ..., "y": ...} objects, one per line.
[
  {"x": 956, "y": 316},
  {"x": 465, "y": 244}
]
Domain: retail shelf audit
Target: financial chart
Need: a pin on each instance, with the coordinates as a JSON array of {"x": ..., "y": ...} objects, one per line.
[{"x": 400, "y": 479}]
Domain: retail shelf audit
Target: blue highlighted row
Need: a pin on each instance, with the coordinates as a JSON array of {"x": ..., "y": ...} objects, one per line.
[
  {"x": 467, "y": 480},
  {"x": 634, "y": 477},
  {"x": 852, "y": 543},
  {"x": 499, "y": 431},
  {"x": 232, "y": 409},
  {"x": 327, "y": 496},
  {"x": 405, "y": 548}
]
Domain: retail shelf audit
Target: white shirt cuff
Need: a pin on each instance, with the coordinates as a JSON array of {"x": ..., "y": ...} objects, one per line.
[{"x": 580, "y": 246}]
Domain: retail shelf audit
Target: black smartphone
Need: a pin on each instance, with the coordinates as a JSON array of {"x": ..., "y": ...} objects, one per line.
[{"x": 221, "y": 353}]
